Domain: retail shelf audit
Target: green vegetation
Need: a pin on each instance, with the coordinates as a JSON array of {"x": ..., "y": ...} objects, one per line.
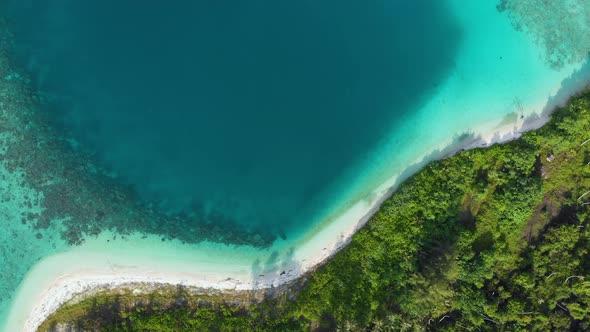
[{"x": 490, "y": 239}]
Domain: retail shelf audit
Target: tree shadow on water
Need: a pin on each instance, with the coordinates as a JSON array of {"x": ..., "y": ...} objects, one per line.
[{"x": 274, "y": 273}]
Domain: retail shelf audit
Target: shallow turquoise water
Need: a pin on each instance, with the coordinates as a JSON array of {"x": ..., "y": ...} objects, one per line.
[
  {"x": 244, "y": 113},
  {"x": 266, "y": 121}
]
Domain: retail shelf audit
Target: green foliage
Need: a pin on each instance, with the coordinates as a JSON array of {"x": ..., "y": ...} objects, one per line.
[{"x": 490, "y": 239}]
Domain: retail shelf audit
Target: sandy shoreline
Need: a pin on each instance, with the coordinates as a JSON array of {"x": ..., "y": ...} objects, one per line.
[
  {"x": 59, "y": 278},
  {"x": 86, "y": 280},
  {"x": 65, "y": 276}
]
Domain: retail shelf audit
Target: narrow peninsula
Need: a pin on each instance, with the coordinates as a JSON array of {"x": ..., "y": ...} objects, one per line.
[{"x": 488, "y": 239}]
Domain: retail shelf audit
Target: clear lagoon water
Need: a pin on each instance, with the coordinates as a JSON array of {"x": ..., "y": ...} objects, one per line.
[
  {"x": 251, "y": 110},
  {"x": 264, "y": 119}
]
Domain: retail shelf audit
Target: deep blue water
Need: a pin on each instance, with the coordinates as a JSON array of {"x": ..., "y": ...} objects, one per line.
[{"x": 258, "y": 109}]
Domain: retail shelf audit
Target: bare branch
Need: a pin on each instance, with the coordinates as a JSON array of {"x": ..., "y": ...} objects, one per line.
[
  {"x": 562, "y": 308},
  {"x": 584, "y": 194},
  {"x": 568, "y": 278},
  {"x": 586, "y": 141},
  {"x": 445, "y": 316},
  {"x": 489, "y": 319}
]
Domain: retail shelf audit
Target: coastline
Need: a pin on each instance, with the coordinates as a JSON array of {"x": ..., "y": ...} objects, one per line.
[
  {"x": 84, "y": 274},
  {"x": 83, "y": 281}
]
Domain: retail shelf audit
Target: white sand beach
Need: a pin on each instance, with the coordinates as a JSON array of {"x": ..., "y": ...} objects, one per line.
[
  {"x": 484, "y": 89},
  {"x": 60, "y": 278}
]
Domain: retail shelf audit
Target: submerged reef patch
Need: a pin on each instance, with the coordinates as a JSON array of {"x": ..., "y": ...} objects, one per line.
[
  {"x": 277, "y": 127},
  {"x": 561, "y": 27},
  {"x": 491, "y": 239},
  {"x": 71, "y": 193}
]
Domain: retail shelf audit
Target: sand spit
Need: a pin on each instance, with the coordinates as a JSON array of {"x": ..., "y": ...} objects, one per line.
[{"x": 93, "y": 274}]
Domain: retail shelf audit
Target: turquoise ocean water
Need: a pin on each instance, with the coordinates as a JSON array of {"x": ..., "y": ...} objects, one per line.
[
  {"x": 184, "y": 130},
  {"x": 250, "y": 113}
]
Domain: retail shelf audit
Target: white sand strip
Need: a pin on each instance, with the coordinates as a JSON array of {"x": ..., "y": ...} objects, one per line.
[
  {"x": 94, "y": 266},
  {"x": 96, "y": 272}
]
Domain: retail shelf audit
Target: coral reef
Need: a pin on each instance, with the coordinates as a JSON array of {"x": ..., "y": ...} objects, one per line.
[{"x": 560, "y": 26}]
